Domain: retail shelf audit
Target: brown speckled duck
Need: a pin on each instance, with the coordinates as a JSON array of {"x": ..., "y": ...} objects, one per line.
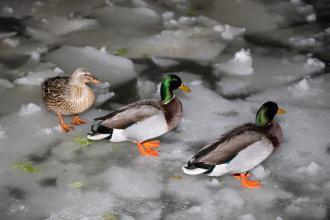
[
  {"x": 143, "y": 120},
  {"x": 241, "y": 149},
  {"x": 69, "y": 95}
]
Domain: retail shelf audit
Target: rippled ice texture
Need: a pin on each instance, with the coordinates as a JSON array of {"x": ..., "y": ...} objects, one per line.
[{"x": 234, "y": 55}]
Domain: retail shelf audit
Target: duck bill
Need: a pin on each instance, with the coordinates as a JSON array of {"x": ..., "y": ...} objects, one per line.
[
  {"x": 184, "y": 88},
  {"x": 281, "y": 111},
  {"x": 95, "y": 81}
]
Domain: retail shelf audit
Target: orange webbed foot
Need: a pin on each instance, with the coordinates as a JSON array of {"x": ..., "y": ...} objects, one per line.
[
  {"x": 146, "y": 148},
  {"x": 245, "y": 182},
  {"x": 67, "y": 128},
  {"x": 78, "y": 121}
]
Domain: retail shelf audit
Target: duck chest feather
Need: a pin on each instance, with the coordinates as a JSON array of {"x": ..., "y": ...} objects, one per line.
[{"x": 173, "y": 112}]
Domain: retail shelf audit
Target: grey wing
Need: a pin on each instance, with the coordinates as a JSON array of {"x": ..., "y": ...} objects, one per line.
[
  {"x": 131, "y": 114},
  {"x": 221, "y": 151}
]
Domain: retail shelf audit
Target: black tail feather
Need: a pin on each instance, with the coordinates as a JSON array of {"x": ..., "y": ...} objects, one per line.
[
  {"x": 193, "y": 165},
  {"x": 97, "y": 128}
]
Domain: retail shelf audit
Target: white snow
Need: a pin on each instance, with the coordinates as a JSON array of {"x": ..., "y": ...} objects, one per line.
[
  {"x": 241, "y": 64},
  {"x": 28, "y": 109},
  {"x": 164, "y": 62},
  {"x": 247, "y": 217},
  {"x": 36, "y": 77},
  {"x": 167, "y": 15},
  {"x": 302, "y": 41},
  {"x": 2, "y": 133},
  {"x": 259, "y": 172},
  {"x": 314, "y": 64},
  {"x": 311, "y": 169},
  {"x": 11, "y": 42},
  {"x": 35, "y": 56},
  {"x": 230, "y": 32}
]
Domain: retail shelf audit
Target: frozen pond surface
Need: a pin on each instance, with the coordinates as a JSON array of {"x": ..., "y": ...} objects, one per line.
[{"x": 234, "y": 55}]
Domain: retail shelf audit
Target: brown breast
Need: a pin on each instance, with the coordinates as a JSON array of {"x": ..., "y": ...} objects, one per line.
[{"x": 173, "y": 113}]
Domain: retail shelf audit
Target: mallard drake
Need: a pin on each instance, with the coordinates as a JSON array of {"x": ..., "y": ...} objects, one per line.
[
  {"x": 240, "y": 149},
  {"x": 143, "y": 120},
  {"x": 69, "y": 95}
]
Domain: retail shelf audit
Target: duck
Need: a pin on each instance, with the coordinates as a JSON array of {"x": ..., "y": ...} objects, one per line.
[
  {"x": 141, "y": 121},
  {"x": 241, "y": 149},
  {"x": 69, "y": 95}
]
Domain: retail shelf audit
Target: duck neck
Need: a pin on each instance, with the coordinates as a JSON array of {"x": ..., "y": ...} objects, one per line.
[{"x": 166, "y": 93}]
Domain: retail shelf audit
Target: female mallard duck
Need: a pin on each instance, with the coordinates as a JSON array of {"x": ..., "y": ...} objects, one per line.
[
  {"x": 143, "y": 120},
  {"x": 66, "y": 95},
  {"x": 241, "y": 149}
]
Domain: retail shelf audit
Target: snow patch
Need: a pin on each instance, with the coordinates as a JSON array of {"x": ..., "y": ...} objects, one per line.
[
  {"x": 13, "y": 43},
  {"x": 241, "y": 64},
  {"x": 28, "y": 109},
  {"x": 311, "y": 169},
  {"x": 247, "y": 217},
  {"x": 314, "y": 64},
  {"x": 2, "y": 133}
]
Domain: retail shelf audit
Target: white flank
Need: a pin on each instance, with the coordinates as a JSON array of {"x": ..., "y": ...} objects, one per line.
[
  {"x": 251, "y": 156},
  {"x": 219, "y": 170},
  {"x": 196, "y": 171},
  {"x": 97, "y": 136},
  {"x": 147, "y": 129}
]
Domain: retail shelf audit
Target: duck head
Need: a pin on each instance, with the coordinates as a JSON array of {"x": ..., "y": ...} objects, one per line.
[
  {"x": 82, "y": 76},
  {"x": 170, "y": 83},
  {"x": 267, "y": 112}
]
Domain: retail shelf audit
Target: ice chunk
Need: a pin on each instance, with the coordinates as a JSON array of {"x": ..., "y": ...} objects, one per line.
[
  {"x": 302, "y": 41},
  {"x": 25, "y": 47},
  {"x": 230, "y": 32},
  {"x": 266, "y": 16},
  {"x": 168, "y": 15},
  {"x": 35, "y": 56},
  {"x": 196, "y": 43},
  {"x": 270, "y": 70},
  {"x": 103, "y": 65},
  {"x": 11, "y": 42},
  {"x": 139, "y": 3},
  {"x": 2, "y": 133},
  {"x": 247, "y": 217},
  {"x": 36, "y": 77},
  {"x": 4, "y": 83},
  {"x": 241, "y": 64},
  {"x": 162, "y": 62},
  {"x": 314, "y": 64},
  {"x": 308, "y": 92},
  {"x": 62, "y": 25},
  {"x": 102, "y": 97},
  {"x": 130, "y": 183},
  {"x": 259, "y": 172},
  {"x": 28, "y": 109},
  {"x": 311, "y": 169},
  {"x": 141, "y": 17},
  {"x": 7, "y": 10},
  {"x": 304, "y": 207}
]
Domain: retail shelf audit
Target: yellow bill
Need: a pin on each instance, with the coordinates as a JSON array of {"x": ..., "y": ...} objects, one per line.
[
  {"x": 280, "y": 111},
  {"x": 184, "y": 88}
]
